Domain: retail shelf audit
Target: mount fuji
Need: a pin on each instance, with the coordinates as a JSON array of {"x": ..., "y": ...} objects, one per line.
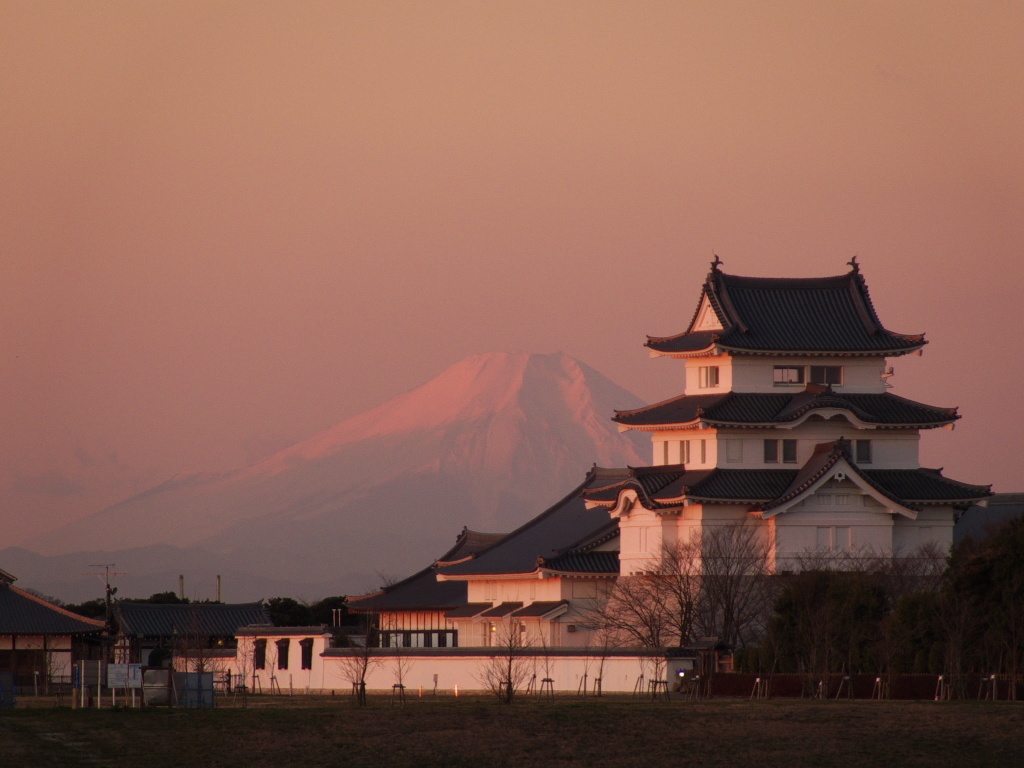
[{"x": 488, "y": 444}]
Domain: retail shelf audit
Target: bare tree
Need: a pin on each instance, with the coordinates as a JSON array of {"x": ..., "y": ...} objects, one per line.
[
  {"x": 736, "y": 592},
  {"x": 360, "y": 662},
  {"x": 401, "y": 666},
  {"x": 506, "y": 672},
  {"x": 657, "y": 608}
]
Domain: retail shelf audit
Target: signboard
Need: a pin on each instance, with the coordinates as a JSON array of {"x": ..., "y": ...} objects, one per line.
[{"x": 124, "y": 675}]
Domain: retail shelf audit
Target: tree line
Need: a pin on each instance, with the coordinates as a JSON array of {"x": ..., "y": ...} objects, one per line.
[{"x": 959, "y": 615}]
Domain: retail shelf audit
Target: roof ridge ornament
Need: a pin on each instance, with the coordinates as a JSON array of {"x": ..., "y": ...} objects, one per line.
[
  {"x": 714, "y": 264},
  {"x": 854, "y": 266}
]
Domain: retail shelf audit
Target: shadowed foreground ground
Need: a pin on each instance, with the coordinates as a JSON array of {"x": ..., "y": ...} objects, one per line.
[{"x": 299, "y": 731}]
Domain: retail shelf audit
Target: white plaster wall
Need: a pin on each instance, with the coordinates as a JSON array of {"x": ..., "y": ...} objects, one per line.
[
  {"x": 933, "y": 528},
  {"x": 838, "y": 506},
  {"x": 292, "y": 679},
  {"x": 756, "y": 374},
  {"x": 692, "y": 374},
  {"x": 674, "y": 436},
  {"x": 513, "y": 590},
  {"x": 890, "y": 449},
  {"x": 619, "y": 674}
]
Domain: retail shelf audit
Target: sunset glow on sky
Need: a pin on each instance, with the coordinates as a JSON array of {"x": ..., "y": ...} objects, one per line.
[{"x": 225, "y": 227}]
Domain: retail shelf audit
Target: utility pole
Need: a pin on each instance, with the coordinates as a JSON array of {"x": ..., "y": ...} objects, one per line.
[{"x": 106, "y": 574}]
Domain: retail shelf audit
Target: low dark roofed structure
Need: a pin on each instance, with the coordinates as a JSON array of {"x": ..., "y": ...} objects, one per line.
[
  {"x": 766, "y": 408},
  {"x": 22, "y": 613},
  {"x": 824, "y": 315},
  {"x": 152, "y": 620}
]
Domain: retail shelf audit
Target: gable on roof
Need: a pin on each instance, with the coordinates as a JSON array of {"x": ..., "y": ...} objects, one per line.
[
  {"x": 761, "y": 315},
  {"x": 770, "y": 491}
]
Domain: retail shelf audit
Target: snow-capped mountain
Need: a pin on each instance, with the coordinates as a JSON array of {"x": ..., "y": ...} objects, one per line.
[{"x": 488, "y": 444}]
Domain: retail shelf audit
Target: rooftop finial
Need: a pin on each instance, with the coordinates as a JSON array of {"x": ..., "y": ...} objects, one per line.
[
  {"x": 854, "y": 266},
  {"x": 715, "y": 263}
]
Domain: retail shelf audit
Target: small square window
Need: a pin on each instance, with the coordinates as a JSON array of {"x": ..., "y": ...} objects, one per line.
[
  {"x": 789, "y": 451},
  {"x": 708, "y": 376},
  {"x": 734, "y": 451},
  {"x": 780, "y": 450},
  {"x": 788, "y": 374},
  {"x": 826, "y": 374}
]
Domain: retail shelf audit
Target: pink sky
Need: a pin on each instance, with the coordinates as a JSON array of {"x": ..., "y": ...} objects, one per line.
[{"x": 225, "y": 226}]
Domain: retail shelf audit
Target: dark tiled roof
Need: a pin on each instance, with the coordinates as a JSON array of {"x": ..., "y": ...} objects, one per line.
[
  {"x": 420, "y": 592},
  {"x": 500, "y": 611},
  {"x": 883, "y": 409},
  {"x": 665, "y": 486},
  {"x": 825, "y": 315},
  {"x": 582, "y": 562},
  {"x": 924, "y": 486},
  {"x": 22, "y": 613},
  {"x": 210, "y": 619},
  {"x": 745, "y": 485},
  {"x": 540, "y": 609},
  {"x": 769, "y": 488},
  {"x": 562, "y": 526},
  {"x": 467, "y": 611}
]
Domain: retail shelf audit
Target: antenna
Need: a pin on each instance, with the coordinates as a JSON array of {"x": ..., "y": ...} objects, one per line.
[{"x": 106, "y": 574}]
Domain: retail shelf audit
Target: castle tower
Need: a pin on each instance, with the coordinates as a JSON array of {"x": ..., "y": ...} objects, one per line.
[{"x": 786, "y": 424}]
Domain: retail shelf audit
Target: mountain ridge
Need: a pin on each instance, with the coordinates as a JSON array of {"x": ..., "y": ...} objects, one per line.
[{"x": 488, "y": 443}]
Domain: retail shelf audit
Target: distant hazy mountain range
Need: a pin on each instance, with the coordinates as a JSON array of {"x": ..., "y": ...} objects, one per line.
[{"x": 488, "y": 444}]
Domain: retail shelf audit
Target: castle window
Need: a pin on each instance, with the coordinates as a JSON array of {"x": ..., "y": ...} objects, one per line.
[
  {"x": 703, "y": 451},
  {"x": 826, "y": 374},
  {"x": 835, "y": 538},
  {"x": 282, "y": 654},
  {"x": 259, "y": 654},
  {"x": 307, "y": 652},
  {"x": 788, "y": 374},
  {"x": 863, "y": 451},
  {"x": 734, "y": 451},
  {"x": 708, "y": 376},
  {"x": 684, "y": 451},
  {"x": 776, "y": 450}
]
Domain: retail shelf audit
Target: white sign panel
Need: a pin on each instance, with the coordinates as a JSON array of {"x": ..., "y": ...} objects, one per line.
[{"x": 124, "y": 675}]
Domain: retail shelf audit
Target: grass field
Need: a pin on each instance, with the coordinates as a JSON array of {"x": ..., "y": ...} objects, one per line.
[{"x": 300, "y": 731}]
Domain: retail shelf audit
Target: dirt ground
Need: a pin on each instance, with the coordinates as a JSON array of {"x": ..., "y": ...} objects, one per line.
[{"x": 285, "y": 731}]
